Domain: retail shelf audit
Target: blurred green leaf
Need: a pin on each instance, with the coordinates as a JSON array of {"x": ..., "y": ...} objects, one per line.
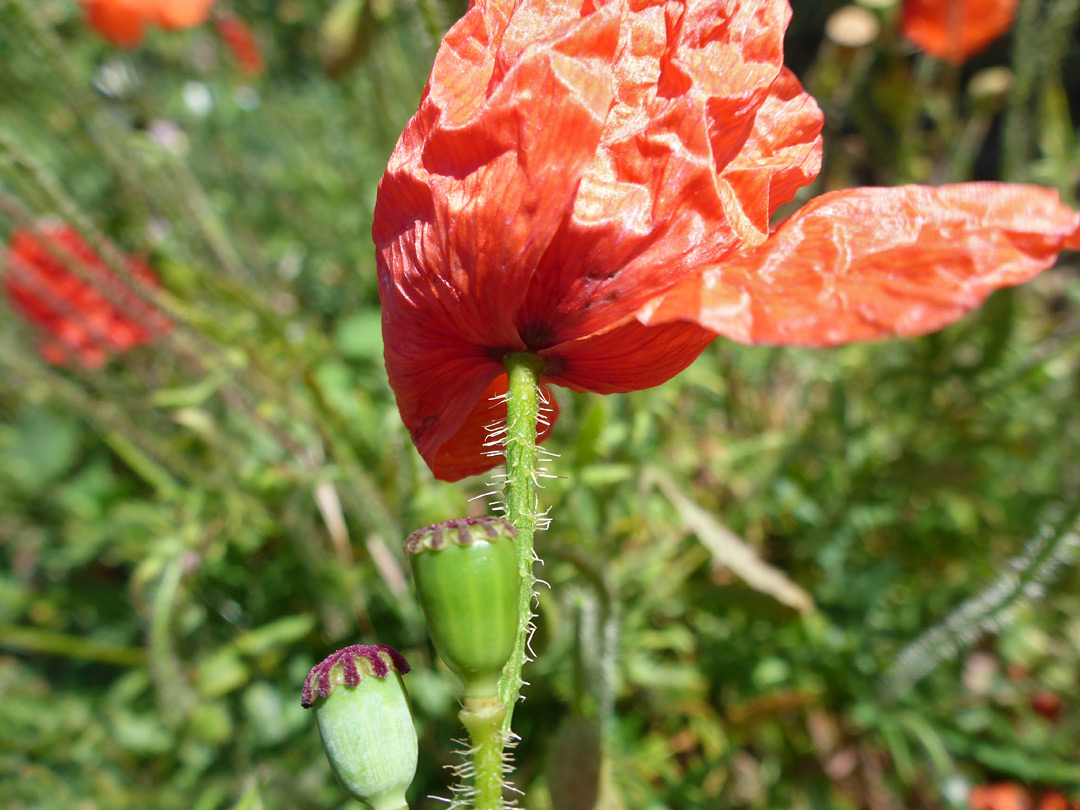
[
  {"x": 359, "y": 337},
  {"x": 41, "y": 447}
]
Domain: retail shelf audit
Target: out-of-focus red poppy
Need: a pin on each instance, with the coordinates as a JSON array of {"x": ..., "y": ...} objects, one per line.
[
  {"x": 123, "y": 22},
  {"x": 241, "y": 43},
  {"x": 81, "y": 319},
  {"x": 593, "y": 182},
  {"x": 1048, "y": 703},
  {"x": 955, "y": 30},
  {"x": 1014, "y": 796},
  {"x": 1056, "y": 800},
  {"x": 1001, "y": 796}
]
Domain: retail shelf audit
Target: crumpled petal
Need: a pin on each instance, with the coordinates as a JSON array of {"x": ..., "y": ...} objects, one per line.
[
  {"x": 698, "y": 84},
  {"x": 478, "y": 182},
  {"x": 630, "y": 357},
  {"x": 470, "y": 451},
  {"x": 955, "y": 30},
  {"x": 870, "y": 263},
  {"x": 782, "y": 154},
  {"x": 512, "y": 115}
]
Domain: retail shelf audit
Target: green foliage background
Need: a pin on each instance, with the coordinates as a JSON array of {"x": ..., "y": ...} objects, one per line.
[{"x": 183, "y": 534}]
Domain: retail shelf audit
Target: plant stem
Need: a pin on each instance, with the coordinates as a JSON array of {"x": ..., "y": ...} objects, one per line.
[
  {"x": 174, "y": 695},
  {"x": 32, "y": 640},
  {"x": 522, "y": 406},
  {"x": 488, "y": 720},
  {"x": 484, "y": 717},
  {"x": 487, "y": 717},
  {"x": 1017, "y": 131}
]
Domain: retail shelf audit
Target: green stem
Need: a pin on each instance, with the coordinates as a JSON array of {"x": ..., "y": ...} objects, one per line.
[
  {"x": 926, "y": 70},
  {"x": 487, "y": 717},
  {"x": 522, "y": 406},
  {"x": 30, "y": 639},
  {"x": 1017, "y": 131},
  {"x": 484, "y": 718},
  {"x": 174, "y": 695}
]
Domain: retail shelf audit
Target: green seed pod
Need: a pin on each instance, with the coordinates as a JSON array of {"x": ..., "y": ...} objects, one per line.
[
  {"x": 467, "y": 577},
  {"x": 365, "y": 722}
]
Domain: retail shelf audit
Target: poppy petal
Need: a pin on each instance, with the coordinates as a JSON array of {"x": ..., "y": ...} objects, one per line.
[
  {"x": 691, "y": 80},
  {"x": 782, "y": 154},
  {"x": 1073, "y": 241},
  {"x": 1000, "y": 796},
  {"x": 630, "y": 357},
  {"x": 173, "y": 14},
  {"x": 1054, "y": 800},
  {"x": 241, "y": 42},
  {"x": 487, "y": 167},
  {"x": 871, "y": 263},
  {"x": 119, "y": 21},
  {"x": 954, "y": 30},
  {"x": 468, "y": 452},
  {"x": 446, "y": 392},
  {"x": 437, "y": 380}
]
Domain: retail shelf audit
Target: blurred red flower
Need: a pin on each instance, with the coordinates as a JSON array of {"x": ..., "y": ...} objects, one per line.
[
  {"x": 1014, "y": 796},
  {"x": 955, "y": 30},
  {"x": 1056, "y": 800},
  {"x": 241, "y": 43},
  {"x": 82, "y": 319},
  {"x": 1048, "y": 703},
  {"x": 123, "y": 22},
  {"x": 1001, "y": 796},
  {"x": 593, "y": 182}
]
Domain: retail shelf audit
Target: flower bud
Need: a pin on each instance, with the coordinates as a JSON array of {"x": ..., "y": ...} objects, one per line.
[
  {"x": 467, "y": 578},
  {"x": 365, "y": 722}
]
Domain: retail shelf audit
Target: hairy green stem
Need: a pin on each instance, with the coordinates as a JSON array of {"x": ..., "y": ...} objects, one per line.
[
  {"x": 484, "y": 717},
  {"x": 522, "y": 407},
  {"x": 487, "y": 717}
]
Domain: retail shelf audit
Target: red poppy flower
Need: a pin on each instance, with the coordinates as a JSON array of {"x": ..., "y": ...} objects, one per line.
[
  {"x": 241, "y": 43},
  {"x": 123, "y": 22},
  {"x": 1014, "y": 796},
  {"x": 593, "y": 182},
  {"x": 1056, "y": 800},
  {"x": 81, "y": 318},
  {"x": 955, "y": 30},
  {"x": 1001, "y": 796}
]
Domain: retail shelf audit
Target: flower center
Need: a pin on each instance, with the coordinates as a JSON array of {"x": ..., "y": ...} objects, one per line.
[{"x": 536, "y": 336}]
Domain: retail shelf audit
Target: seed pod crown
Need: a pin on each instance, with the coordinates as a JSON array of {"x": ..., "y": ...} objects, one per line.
[
  {"x": 349, "y": 666},
  {"x": 460, "y": 532}
]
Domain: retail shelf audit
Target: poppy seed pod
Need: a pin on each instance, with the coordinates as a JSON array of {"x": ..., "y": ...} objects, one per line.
[
  {"x": 365, "y": 722},
  {"x": 467, "y": 577}
]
